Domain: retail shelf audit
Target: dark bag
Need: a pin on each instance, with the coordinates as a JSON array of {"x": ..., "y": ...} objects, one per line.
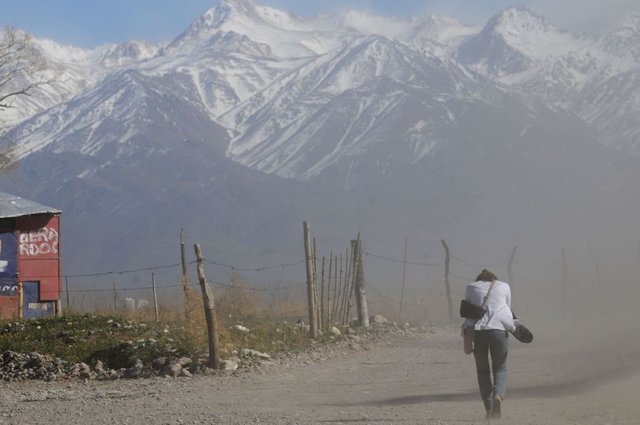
[
  {"x": 521, "y": 333},
  {"x": 471, "y": 311}
]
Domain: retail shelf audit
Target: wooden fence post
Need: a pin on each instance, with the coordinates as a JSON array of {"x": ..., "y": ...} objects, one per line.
[
  {"x": 209, "y": 311},
  {"x": 347, "y": 288},
  {"x": 363, "y": 313},
  {"x": 20, "y": 300},
  {"x": 336, "y": 292},
  {"x": 329, "y": 301},
  {"x": 323, "y": 321},
  {"x": 355, "y": 280},
  {"x": 316, "y": 302},
  {"x": 340, "y": 274},
  {"x": 155, "y": 296},
  {"x": 115, "y": 297},
  {"x": 313, "y": 331},
  {"x": 447, "y": 263}
]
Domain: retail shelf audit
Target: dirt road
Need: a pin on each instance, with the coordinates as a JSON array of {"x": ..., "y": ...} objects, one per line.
[{"x": 419, "y": 379}]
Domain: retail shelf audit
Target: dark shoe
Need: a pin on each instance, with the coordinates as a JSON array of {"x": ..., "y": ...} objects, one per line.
[{"x": 496, "y": 413}]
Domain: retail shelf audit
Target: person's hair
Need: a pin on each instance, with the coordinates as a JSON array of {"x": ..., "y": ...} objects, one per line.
[{"x": 486, "y": 276}]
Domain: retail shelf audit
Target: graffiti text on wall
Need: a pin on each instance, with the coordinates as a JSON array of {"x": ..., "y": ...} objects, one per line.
[
  {"x": 39, "y": 242},
  {"x": 8, "y": 290}
]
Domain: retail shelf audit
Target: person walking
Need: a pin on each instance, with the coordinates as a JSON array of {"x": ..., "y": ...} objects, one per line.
[{"x": 490, "y": 338}]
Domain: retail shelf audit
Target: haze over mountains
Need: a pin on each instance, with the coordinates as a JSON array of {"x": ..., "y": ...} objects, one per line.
[{"x": 253, "y": 119}]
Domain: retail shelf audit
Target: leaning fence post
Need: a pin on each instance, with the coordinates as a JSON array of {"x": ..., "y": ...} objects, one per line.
[
  {"x": 115, "y": 297},
  {"x": 209, "y": 311},
  {"x": 323, "y": 321},
  {"x": 313, "y": 330},
  {"x": 355, "y": 280},
  {"x": 316, "y": 302},
  {"x": 155, "y": 296}
]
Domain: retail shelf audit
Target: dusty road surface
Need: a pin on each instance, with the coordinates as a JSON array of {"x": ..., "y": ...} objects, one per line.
[{"x": 423, "y": 378}]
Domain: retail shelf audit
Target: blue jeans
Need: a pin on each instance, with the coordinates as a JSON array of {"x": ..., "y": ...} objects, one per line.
[{"x": 497, "y": 343}]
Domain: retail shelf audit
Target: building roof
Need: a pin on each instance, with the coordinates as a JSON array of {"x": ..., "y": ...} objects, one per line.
[{"x": 15, "y": 206}]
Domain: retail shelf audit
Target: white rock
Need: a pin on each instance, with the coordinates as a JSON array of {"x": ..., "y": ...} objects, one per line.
[
  {"x": 184, "y": 361},
  {"x": 229, "y": 364},
  {"x": 336, "y": 331},
  {"x": 174, "y": 370},
  {"x": 240, "y": 328}
]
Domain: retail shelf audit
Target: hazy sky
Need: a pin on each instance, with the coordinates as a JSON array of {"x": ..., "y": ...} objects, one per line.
[{"x": 94, "y": 22}]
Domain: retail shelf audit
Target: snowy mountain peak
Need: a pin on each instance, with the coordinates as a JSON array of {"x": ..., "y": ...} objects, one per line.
[
  {"x": 625, "y": 41},
  {"x": 243, "y": 6},
  {"x": 441, "y": 30},
  {"x": 127, "y": 53},
  {"x": 285, "y": 34},
  {"x": 531, "y": 34},
  {"x": 223, "y": 12},
  {"x": 518, "y": 18},
  {"x": 516, "y": 40}
]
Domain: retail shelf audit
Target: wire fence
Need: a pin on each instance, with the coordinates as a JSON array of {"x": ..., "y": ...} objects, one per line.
[
  {"x": 426, "y": 300},
  {"x": 282, "y": 285}
]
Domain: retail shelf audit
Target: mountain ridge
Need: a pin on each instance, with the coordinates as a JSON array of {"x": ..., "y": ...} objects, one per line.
[{"x": 282, "y": 122}]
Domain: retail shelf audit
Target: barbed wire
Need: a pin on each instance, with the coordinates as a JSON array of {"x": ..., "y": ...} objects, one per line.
[
  {"x": 398, "y": 260},
  {"x": 257, "y": 269},
  {"x": 121, "y": 272},
  {"x": 248, "y": 288},
  {"x": 178, "y": 285},
  {"x": 282, "y": 266}
]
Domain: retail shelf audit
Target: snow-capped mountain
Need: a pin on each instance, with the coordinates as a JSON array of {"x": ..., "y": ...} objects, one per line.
[
  {"x": 71, "y": 70},
  {"x": 515, "y": 41},
  {"x": 589, "y": 76},
  {"x": 282, "y": 34},
  {"x": 332, "y": 108},
  {"x": 252, "y": 109}
]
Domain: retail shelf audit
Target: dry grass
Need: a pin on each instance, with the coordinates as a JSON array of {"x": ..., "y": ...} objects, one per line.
[{"x": 271, "y": 322}]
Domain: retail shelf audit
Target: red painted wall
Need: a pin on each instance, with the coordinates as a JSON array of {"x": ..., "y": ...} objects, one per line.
[
  {"x": 39, "y": 253},
  {"x": 8, "y": 307}
]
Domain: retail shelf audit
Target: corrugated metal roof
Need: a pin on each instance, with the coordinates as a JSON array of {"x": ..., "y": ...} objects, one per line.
[{"x": 15, "y": 206}]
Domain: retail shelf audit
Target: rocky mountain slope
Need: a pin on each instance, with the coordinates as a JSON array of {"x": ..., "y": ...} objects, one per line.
[{"x": 254, "y": 119}]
